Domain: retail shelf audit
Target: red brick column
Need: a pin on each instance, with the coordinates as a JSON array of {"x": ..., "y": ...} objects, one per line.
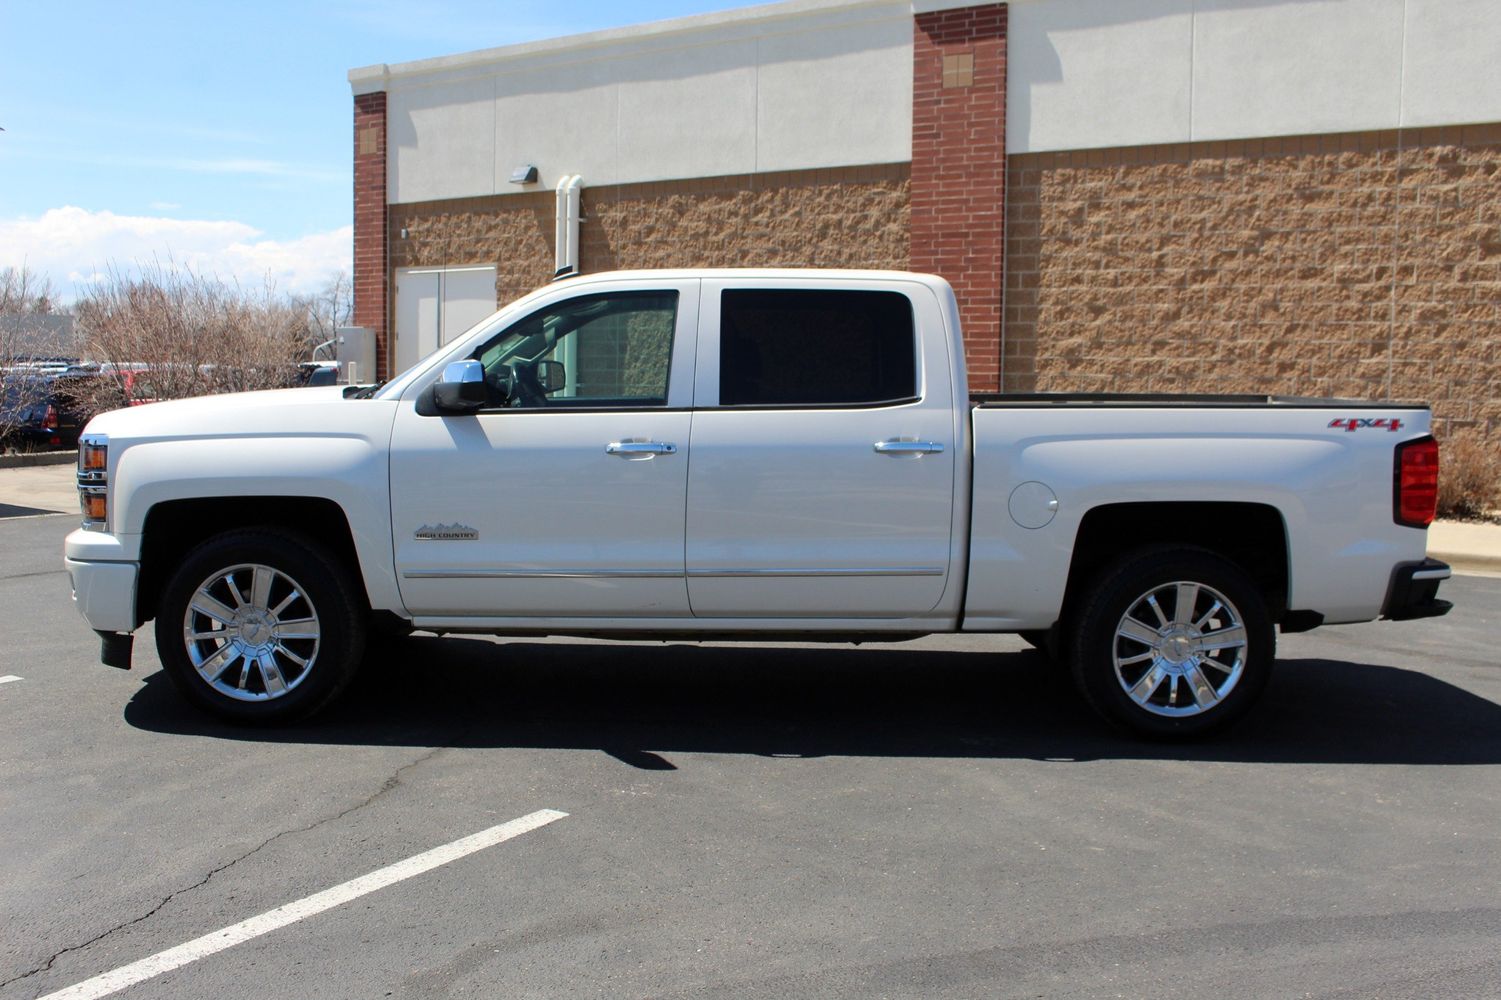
[
  {"x": 372, "y": 247},
  {"x": 958, "y": 225}
]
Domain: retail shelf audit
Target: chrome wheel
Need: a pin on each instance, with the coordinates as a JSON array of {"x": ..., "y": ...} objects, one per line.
[
  {"x": 1180, "y": 649},
  {"x": 251, "y": 632}
]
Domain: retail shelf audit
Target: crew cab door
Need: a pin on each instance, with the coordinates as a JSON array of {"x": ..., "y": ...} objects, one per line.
[
  {"x": 822, "y": 480},
  {"x": 564, "y": 495}
]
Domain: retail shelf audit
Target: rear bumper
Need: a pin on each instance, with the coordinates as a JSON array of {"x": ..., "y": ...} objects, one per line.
[{"x": 1413, "y": 592}]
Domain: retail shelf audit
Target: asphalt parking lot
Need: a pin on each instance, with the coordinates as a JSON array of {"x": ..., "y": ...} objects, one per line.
[{"x": 937, "y": 819}]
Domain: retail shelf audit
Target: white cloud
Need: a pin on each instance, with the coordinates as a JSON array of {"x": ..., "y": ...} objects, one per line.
[
  {"x": 74, "y": 246},
  {"x": 232, "y": 165}
]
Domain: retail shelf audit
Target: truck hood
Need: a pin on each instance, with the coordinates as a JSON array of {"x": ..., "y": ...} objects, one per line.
[{"x": 239, "y": 414}]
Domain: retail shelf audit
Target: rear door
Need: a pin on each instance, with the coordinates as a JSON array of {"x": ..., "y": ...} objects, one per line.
[{"x": 823, "y": 451}]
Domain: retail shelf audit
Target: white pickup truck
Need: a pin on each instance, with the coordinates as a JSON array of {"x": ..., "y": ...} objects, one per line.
[{"x": 754, "y": 454}]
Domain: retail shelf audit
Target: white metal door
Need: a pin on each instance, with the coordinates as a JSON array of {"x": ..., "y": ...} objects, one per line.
[
  {"x": 468, "y": 297},
  {"x": 435, "y": 305},
  {"x": 419, "y": 315}
]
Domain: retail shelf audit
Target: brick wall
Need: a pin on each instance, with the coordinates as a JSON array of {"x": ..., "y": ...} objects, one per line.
[
  {"x": 371, "y": 256},
  {"x": 959, "y": 169},
  {"x": 847, "y": 217},
  {"x": 1360, "y": 265}
]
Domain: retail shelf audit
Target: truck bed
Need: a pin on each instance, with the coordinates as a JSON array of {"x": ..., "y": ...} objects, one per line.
[{"x": 1320, "y": 469}]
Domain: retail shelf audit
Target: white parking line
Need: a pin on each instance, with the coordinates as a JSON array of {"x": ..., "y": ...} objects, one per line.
[
  {"x": 228, "y": 937},
  {"x": 8, "y": 678}
]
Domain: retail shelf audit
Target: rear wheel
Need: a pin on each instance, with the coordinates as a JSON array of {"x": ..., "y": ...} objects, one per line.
[
  {"x": 260, "y": 627},
  {"x": 1173, "y": 643}
]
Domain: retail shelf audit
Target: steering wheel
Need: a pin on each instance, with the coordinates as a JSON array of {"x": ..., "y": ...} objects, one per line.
[
  {"x": 500, "y": 385},
  {"x": 525, "y": 389}
]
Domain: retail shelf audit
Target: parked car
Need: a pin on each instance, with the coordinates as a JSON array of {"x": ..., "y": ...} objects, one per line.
[
  {"x": 751, "y": 454},
  {"x": 316, "y": 373},
  {"x": 41, "y": 411}
]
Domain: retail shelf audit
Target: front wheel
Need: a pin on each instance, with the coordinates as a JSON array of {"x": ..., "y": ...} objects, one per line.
[
  {"x": 1173, "y": 643},
  {"x": 260, "y": 627}
]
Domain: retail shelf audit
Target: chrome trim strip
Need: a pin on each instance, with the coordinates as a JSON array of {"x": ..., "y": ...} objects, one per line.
[
  {"x": 657, "y": 574},
  {"x": 541, "y": 574},
  {"x": 852, "y": 571}
]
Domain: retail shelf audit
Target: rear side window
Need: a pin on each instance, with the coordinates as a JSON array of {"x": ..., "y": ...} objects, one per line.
[{"x": 809, "y": 347}]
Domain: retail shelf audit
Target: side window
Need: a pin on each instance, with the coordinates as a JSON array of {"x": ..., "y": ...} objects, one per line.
[
  {"x": 612, "y": 349},
  {"x": 815, "y": 348}
]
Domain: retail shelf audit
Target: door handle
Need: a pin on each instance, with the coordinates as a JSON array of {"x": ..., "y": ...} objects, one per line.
[
  {"x": 640, "y": 449},
  {"x": 908, "y": 447}
]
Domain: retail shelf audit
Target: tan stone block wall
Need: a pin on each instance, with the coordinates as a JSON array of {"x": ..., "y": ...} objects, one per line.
[
  {"x": 847, "y": 217},
  {"x": 513, "y": 232},
  {"x": 1361, "y": 265}
]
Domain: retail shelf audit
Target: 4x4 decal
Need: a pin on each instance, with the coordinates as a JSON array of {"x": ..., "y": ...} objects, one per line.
[{"x": 1356, "y": 423}]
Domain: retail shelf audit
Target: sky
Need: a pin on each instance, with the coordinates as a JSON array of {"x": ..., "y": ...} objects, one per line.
[{"x": 218, "y": 136}]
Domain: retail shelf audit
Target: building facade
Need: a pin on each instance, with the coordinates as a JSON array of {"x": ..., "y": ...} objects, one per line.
[{"x": 1290, "y": 196}]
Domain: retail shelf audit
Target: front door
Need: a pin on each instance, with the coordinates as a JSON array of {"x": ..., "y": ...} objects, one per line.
[{"x": 564, "y": 497}]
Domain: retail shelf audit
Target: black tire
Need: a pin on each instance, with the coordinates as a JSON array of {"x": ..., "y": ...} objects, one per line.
[
  {"x": 295, "y": 668},
  {"x": 1172, "y": 687}
]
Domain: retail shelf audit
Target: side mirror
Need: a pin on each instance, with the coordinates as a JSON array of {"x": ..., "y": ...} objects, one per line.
[
  {"x": 551, "y": 376},
  {"x": 462, "y": 388}
]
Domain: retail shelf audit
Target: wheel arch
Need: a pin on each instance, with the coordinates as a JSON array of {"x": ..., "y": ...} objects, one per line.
[
  {"x": 173, "y": 528},
  {"x": 1257, "y": 542}
]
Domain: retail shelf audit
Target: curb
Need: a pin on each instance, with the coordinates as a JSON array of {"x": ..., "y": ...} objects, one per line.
[
  {"x": 1468, "y": 562},
  {"x": 44, "y": 458}
]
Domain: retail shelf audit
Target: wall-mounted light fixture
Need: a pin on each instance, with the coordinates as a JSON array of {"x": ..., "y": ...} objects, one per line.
[{"x": 524, "y": 174}]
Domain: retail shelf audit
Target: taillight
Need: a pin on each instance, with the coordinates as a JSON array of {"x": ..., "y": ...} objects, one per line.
[
  {"x": 1415, "y": 483},
  {"x": 49, "y": 422}
]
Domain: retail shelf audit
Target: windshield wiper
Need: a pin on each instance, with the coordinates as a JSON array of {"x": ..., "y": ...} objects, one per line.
[{"x": 362, "y": 391}]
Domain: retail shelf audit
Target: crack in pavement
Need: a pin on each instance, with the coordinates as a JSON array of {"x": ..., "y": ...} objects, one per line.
[
  {"x": 388, "y": 785},
  {"x": 22, "y": 576}
]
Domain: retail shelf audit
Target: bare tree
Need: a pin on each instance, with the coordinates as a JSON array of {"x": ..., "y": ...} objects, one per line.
[
  {"x": 329, "y": 309},
  {"x": 171, "y": 333},
  {"x": 26, "y": 309},
  {"x": 24, "y": 293}
]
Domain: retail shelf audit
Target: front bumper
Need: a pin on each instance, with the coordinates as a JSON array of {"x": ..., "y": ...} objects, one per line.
[
  {"x": 1413, "y": 592},
  {"x": 105, "y": 593}
]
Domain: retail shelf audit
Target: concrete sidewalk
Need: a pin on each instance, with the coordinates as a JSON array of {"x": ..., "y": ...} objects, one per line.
[
  {"x": 51, "y": 488},
  {"x": 1468, "y": 547}
]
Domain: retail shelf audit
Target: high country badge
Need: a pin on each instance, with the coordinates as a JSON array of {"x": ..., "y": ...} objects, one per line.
[{"x": 446, "y": 533}]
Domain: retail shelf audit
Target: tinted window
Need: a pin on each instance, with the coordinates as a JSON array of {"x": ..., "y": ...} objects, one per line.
[
  {"x": 613, "y": 349},
  {"x": 815, "y": 348}
]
